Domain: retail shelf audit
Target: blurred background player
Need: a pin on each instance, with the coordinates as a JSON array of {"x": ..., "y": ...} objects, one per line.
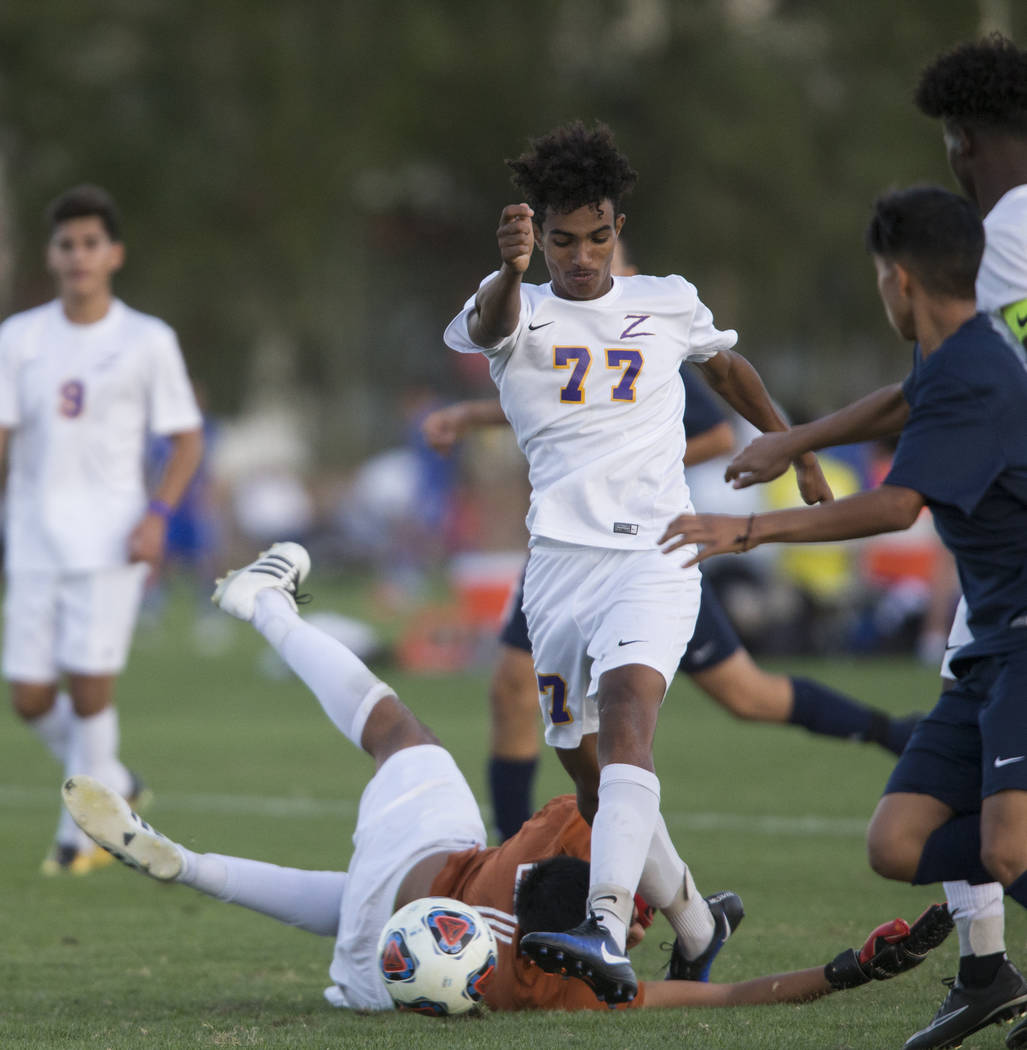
[
  {"x": 586, "y": 367},
  {"x": 419, "y": 833},
  {"x": 715, "y": 659},
  {"x": 979, "y": 92},
  {"x": 83, "y": 379}
]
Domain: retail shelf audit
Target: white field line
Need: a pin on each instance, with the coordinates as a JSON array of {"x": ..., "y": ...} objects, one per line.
[{"x": 13, "y": 796}]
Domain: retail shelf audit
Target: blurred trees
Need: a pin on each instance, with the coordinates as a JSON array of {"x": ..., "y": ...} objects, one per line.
[{"x": 311, "y": 188}]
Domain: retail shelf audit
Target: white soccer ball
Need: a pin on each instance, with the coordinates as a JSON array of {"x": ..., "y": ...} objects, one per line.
[{"x": 436, "y": 954}]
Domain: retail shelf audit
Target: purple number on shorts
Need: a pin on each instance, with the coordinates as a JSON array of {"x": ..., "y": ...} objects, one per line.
[
  {"x": 556, "y": 687},
  {"x": 572, "y": 393},
  {"x": 631, "y": 362},
  {"x": 72, "y": 399}
]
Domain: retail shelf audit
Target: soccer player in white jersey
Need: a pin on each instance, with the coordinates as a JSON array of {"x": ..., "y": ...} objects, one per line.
[
  {"x": 979, "y": 92},
  {"x": 587, "y": 371},
  {"x": 83, "y": 380}
]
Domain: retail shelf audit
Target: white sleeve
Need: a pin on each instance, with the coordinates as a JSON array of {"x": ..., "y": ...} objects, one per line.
[
  {"x": 10, "y": 416},
  {"x": 1002, "y": 278},
  {"x": 457, "y": 338},
  {"x": 704, "y": 338},
  {"x": 173, "y": 407}
]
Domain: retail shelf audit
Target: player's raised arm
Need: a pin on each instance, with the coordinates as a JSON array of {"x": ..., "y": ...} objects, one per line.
[
  {"x": 735, "y": 379},
  {"x": 497, "y": 307},
  {"x": 879, "y": 414},
  {"x": 891, "y": 949}
]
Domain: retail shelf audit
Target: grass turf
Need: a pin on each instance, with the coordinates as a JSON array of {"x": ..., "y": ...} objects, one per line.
[{"x": 245, "y": 763}]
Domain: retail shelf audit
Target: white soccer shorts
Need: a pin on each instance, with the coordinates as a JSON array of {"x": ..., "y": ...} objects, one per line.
[
  {"x": 591, "y": 609},
  {"x": 417, "y": 804},
  {"x": 78, "y": 622}
]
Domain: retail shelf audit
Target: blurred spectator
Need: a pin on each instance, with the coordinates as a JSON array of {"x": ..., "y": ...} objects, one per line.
[
  {"x": 399, "y": 510},
  {"x": 195, "y": 538},
  {"x": 260, "y": 464}
]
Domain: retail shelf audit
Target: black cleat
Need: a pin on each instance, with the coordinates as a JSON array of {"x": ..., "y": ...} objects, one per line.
[
  {"x": 727, "y": 914},
  {"x": 589, "y": 953},
  {"x": 967, "y": 1010}
]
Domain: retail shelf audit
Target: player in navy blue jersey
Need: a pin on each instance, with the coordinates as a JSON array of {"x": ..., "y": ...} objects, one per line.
[
  {"x": 978, "y": 91},
  {"x": 956, "y": 805}
]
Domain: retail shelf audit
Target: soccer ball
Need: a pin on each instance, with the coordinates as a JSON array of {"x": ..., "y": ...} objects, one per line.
[{"x": 436, "y": 954}]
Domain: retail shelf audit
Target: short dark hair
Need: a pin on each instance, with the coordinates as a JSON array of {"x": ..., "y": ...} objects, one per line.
[
  {"x": 82, "y": 202},
  {"x": 553, "y": 895},
  {"x": 571, "y": 167},
  {"x": 982, "y": 84},
  {"x": 936, "y": 234}
]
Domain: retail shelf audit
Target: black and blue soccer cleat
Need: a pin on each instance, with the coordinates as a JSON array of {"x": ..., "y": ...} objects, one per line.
[
  {"x": 728, "y": 912},
  {"x": 589, "y": 953}
]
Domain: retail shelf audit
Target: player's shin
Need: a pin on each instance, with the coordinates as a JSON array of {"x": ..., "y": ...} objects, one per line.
[
  {"x": 342, "y": 683},
  {"x": 980, "y": 924},
  {"x": 629, "y": 802},
  {"x": 667, "y": 884}
]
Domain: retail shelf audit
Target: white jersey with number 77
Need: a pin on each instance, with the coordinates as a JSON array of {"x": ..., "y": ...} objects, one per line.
[{"x": 592, "y": 390}]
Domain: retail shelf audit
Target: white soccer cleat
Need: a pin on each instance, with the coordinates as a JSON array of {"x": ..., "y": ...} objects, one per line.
[
  {"x": 283, "y": 566},
  {"x": 110, "y": 822}
]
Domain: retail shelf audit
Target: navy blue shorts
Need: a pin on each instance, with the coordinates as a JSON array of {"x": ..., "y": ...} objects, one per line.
[
  {"x": 713, "y": 642},
  {"x": 974, "y": 742}
]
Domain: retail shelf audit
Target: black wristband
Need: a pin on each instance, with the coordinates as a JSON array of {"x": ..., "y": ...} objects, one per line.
[{"x": 846, "y": 971}]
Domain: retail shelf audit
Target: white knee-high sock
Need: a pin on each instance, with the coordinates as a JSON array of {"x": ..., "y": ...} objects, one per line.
[
  {"x": 343, "y": 685},
  {"x": 667, "y": 884},
  {"x": 979, "y": 915},
  {"x": 93, "y": 749},
  {"x": 54, "y": 727},
  {"x": 309, "y": 900},
  {"x": 629, "y": 806}
]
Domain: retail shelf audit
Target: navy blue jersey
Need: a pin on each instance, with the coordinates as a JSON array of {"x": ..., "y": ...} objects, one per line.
[
  {"x": 702, "y": 412},
  {"x": 964, "y": 449}
]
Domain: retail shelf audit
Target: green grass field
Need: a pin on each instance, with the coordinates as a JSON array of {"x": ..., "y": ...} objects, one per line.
[{"x": 246, "y": 764}]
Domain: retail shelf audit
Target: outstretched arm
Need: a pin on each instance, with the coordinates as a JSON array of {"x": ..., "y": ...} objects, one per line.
[
  {"x": 739, "y": 384},
  {"x": 444, "y": 427},
  {"x": 497, "y": 307},
  {"x": 889, "y": 508},
  {"x": 879, "y": 414},
  {"x": 893, "y": 948},
  {"x": 795, "y": 987}
]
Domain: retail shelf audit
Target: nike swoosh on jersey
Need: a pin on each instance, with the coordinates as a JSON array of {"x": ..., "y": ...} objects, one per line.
[
  {"x": 634, "y": 641},
  {"x": 1000, "y": 762},
  {"x": 536, "y": 327},
  {"x": 608, "y": 957}
]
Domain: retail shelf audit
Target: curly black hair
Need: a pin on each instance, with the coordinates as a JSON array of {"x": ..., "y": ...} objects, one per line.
[
  {"x": 571, "y": 167},
  {"x": 553, "y": 895},
  {"x": 981, "y": 84}
]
